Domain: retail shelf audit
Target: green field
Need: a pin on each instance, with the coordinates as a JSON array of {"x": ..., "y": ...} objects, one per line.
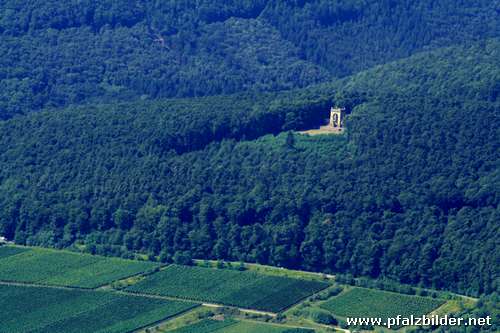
[
  {"x": 360, "y": 302},
  {"x": 50, "y": 310},
  {"x": 242, "y": 289},
  {"x": 62, "y": 268},
  {"x": 233, "y": 326},
  {"x": 206, "y": 326},
  {"x": 7, "y": 251}
]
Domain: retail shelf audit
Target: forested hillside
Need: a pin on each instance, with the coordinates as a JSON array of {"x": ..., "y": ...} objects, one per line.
[
  {"x": 409, "y": 193},
  {"x": 57, "y": 53}
]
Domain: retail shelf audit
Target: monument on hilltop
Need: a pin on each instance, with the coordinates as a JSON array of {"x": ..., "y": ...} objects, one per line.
[
  {"x": 337, "y": 118},
  {"x": 335, "y": 123}
]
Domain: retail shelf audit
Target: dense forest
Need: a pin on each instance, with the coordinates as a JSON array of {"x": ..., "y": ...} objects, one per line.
[
  {"x": 171, "y": 128},
  {"x": 410, "y": 193},
  {"x": 57, "y": 53}
]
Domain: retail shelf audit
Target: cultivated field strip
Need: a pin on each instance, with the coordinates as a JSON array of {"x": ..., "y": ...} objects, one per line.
[
  {"x": 61, "y": 268},
  {"x": 206, "y": 326},
  {"x": 51, "y": 310},
  {"x": 234, "y": 288},
  {"x": 7, "y": 251},
  {"x": 234, "y": 326},
  {"x": 362, "y": 303}
]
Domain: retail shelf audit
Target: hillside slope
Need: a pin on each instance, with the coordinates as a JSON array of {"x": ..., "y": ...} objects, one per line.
[
  {"x": 55, "y": 53},
  {"x": 410, "y": 193}
]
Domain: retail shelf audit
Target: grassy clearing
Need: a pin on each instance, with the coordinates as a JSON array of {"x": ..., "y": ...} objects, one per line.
[
  {"x": 234, "y": 326},
  {"x": 229, "y": 287},
  {"x": 49, "y": 310},
  {"x": 183, "y": 320},
  {"x": 270, "y": 270},
  {"x": 360, "y": 302},
  {"x": 454, "y": 306},
  {"x": 323, "y": 130},
  {"x": 206, "y": 326},
  {"x": 254, "y": 327},
  {"x": 63, "y": 268}
]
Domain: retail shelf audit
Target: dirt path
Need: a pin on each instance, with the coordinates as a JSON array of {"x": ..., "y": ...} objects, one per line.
[
  {"x": 36, "y": 285},
  {"x": 335, "y": 327},
  {"x": 209, "y": 305},
  {"x": 263, "y": 313}
]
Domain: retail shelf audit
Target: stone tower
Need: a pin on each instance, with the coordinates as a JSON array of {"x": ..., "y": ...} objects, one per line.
[{"x": 337, "y": 117}]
